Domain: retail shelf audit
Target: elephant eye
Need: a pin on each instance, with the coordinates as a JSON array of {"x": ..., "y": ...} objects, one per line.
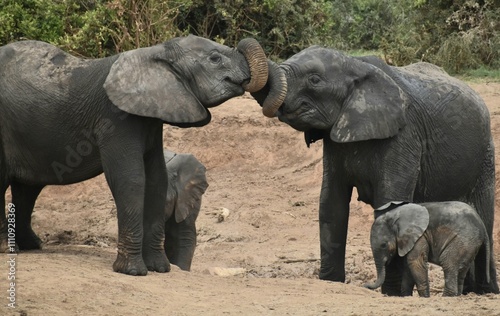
[
  {"x": 215, "y": 58},
  {"x": 314, "y": 79}
]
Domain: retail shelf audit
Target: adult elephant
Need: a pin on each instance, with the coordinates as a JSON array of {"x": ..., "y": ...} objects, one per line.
[
  {"x": 396, "y": 134},
  {"x": 187, "y": 182},
  {"x": 64, "y": 120}
]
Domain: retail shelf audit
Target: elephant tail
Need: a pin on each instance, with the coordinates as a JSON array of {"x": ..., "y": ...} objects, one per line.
[{"x": 488, "y": 259}]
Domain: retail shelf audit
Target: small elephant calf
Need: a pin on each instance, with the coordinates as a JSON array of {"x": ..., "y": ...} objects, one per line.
[
  {"x": 187, "y": 183},
  {"x": 448, "y": 234}
]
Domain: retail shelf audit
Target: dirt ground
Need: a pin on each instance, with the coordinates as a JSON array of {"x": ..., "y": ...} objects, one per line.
[{"x": 261, "y": 260}]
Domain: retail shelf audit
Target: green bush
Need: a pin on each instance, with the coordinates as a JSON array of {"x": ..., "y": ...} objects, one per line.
[
  {"x": 283, "y": 27},
  {"x": 455, "y": 34},
  {"x": 31, "y": 19},
  {"x": 362, "y": 24},
  {"x": 92, "y": 28}
]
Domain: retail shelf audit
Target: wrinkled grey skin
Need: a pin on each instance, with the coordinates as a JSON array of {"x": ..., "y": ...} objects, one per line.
[
  {"x": 64, "y": 120},
  {"x": 448, "y": 234},
  {"x": 187, "y": 183},
  {"x": 396, "y": 134}
]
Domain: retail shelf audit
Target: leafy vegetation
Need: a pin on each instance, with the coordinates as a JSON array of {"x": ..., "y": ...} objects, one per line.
[{"x": 459, "y": 35}]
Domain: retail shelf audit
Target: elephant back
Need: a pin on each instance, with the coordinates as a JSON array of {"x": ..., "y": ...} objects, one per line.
[{"x": 54, "y": 74}]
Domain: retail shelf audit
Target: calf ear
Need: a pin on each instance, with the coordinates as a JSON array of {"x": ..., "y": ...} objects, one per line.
[
  {"x": 409, "y": 222},
  {"x": 374, "y": 108}
]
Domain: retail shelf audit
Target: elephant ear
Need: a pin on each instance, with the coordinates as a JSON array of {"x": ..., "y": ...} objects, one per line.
[
  {"x": 409, "y": 222},
  {"x": 169, "y": 155},
  {"x": 142, "y": 82},
  {"x": 374, "y": 107},
  {"x": 190, "y": 184}
]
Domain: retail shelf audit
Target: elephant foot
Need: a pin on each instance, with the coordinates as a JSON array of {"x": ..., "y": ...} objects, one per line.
[
  {"x": 131, "y": 265},
  {"x": 484, "y": 288},
  {"x": 480, "y": 286},
  {"x": 332, "y": 274},
  {"x": 28, "y": 241},
  {"x": 157, "y": 261},
  {"x": 446, "y": 293},
  {"x": 394, "y": 291}
]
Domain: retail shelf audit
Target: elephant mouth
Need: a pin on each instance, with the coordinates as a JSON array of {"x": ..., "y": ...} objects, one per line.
[
  {"x": 298, "y": 116},
  {"x": 227, "y": 90}
]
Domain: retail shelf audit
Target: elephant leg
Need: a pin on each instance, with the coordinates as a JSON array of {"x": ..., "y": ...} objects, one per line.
[
  {"x": 483, "y": 199},
  {"x": 450, "y": 281},
  {"x": 154, "y": 208},
  {"x": 420, "y": 272},
  {"x": 407, "y": 282},
  {"x": 393, "y": 277},
  {"x": 462, "y": 273},
  {"x": 23, "y": 198},
  {"x": 4, "y": 244},
  {"x": 4, "y": 184},
  {"x": 333, "y": 222},
  {"x": 126, "y": 179}
]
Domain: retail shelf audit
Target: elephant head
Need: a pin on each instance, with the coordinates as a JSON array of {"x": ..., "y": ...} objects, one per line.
[
  {"x": 187, "y": 183},
  {"x": 329, "y": 93},
  {"x": 178, "y": 80},
  {"x": 395, "y": 231}
]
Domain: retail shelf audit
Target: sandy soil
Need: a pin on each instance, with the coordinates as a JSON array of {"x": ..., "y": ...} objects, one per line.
[{"x": 262, "y": 260}]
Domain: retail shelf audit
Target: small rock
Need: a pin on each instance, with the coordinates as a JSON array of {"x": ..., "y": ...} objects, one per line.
[
  {"x": 222, "y": 214},
  {"x": 225, "y": 272}
]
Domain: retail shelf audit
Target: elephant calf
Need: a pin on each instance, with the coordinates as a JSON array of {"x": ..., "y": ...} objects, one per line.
[
  {"x": 186, "y": 184},
  {"x": 448, "y": 234}
]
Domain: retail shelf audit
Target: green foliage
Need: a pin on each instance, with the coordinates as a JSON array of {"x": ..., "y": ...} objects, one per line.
[
  {"x": 283, "y": 27},
  {"x": 456, "y": 34},
  {"x": 31, "y": 19},
  {"x": 362, "y": 24},
  {"x": 93, "y": 28},
  {"x": 139, "y": 23},
  {"x": 71, "y": 24},
  {"x": 86, "y": 31},
  {"x": 482, "y": 74}
]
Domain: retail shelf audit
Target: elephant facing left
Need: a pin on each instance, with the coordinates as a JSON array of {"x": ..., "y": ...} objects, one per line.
[
  {"x": 65, "y": 119},
  {"x": 449, "y": 234}
]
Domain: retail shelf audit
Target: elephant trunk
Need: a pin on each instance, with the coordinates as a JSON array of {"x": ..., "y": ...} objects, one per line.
[
  {"x": 380, "y": 276},
  {"x": 260, "y": 69},
  {"x": 180, "y": 243},
  {"x": 257, "y": 62},
  {"x": 277, "y": 90}
]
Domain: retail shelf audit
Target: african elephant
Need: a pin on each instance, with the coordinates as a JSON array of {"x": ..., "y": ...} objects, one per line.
[
  {"x": 186, "y": 184},
  {"x": 65, "y": 119},
  {"x": 410, "y": 133},
  {"x": 448, "y": 234}
]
